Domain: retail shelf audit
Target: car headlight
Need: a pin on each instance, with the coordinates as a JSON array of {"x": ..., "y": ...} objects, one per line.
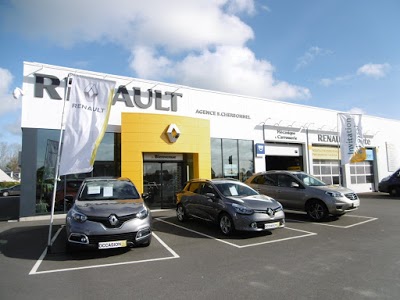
[
  {"x": 240, "y": 209},
  {"x": 334, "y": 194},
  {"x": 143, "y": 213},
  {"x": 280, "y": 207},
  {"x": 79, "y": 217}
]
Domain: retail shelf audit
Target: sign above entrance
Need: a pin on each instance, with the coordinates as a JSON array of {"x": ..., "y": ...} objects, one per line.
[
  {"x": 163, "y": 156},
  {"x": 284, "y": 134}
]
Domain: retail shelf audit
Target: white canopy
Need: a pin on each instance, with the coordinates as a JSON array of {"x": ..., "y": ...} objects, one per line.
[{"x": 4, "y": 176}]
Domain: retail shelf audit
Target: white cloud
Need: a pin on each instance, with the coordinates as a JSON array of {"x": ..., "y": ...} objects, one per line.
[
  {"x": 238, "y": 6},
  {"x": 173, "y": 24},
  {"x": 8, "y": 103},
  {"x": 9, "y": 108},
  {"x": 374, "y": 70},
  {"x": 310, "y": 55},
  {"x": 229, "y": 69},
  {"x": 147, "y": 65},
  {"x": 201, "y": 43},
  {"x": 331, "y": 81},
  {"x": 370, "y": 70}
]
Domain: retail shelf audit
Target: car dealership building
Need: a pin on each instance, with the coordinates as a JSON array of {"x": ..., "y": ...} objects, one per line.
[{"x": 160, "y": 135}]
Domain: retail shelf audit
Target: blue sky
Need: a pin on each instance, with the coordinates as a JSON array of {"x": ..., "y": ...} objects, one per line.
[{"x": 335, "y": 54}]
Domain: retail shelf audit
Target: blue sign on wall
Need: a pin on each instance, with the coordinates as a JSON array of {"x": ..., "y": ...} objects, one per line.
[{"x": 260, "y": 149}]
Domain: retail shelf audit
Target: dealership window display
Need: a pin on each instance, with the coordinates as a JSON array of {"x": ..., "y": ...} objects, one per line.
[
  {"x": 107, "y": 164},
  {"x": 232, "y": 158}
]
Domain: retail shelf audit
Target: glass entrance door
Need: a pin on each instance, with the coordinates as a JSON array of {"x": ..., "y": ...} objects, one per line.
[{"x": 161, "y": 181}]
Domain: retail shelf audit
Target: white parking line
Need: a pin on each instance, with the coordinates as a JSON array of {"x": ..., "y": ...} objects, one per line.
[
  {"x": 308, "y": 233},
  {"x": 369, "y": 219},
  {"x": 40, "y": 260}
]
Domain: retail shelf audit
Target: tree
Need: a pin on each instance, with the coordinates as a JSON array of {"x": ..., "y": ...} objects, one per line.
[{"x": 9, "y": 157}]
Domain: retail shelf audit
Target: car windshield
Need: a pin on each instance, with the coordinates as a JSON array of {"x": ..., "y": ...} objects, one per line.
[
  {"x": 309, "y": 180},
  {"x": 235, "y": 189},
  {"x": 108, "y": 190}
]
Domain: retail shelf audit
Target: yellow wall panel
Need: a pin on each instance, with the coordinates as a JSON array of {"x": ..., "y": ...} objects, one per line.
[{"x": 147, "y": 133}]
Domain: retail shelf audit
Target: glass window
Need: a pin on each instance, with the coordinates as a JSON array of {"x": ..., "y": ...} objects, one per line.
[
  {"x": 316, "y": 170},
  {"x": 107, "y": 163},
  {"x": 232, "y": 158},
  {"x": 285, "y": 180},
  {"x": 194, "y": 187},
  {"x": 362, "y": 172},
  {"x": 246, "y": 159},
  {"x": 216, "y": 158},
  {"x": 327, "y": 170},
  {"x": 259, "y": 179},
  {"x": 207, "y": 189},
  {"x": 271, "y": 179}
]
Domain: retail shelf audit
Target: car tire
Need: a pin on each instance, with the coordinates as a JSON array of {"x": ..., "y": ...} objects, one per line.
[
  {"x": 181, "y": 213},
  {"x": 226, "y": 224},
  {"x": 317, "y": 210},
  {"x": 394, "y": 191}
]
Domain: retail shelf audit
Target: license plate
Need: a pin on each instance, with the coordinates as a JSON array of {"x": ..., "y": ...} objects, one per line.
[
  {"x": 113, "y": 244},
  {"x": 271, "y": 225},
  {"x": 356, "y": 203}
]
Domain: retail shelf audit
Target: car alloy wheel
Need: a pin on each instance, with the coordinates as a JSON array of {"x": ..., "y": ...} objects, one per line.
[
  {"x": 226, "y": 224},
  {"x": 317, "y": 210},
  {"x": 180, "y": 213}
]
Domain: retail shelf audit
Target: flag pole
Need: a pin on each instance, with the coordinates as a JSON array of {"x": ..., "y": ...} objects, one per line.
[
  {"x": 338, "y": 152},
  {"x": 49, "y": 242}
]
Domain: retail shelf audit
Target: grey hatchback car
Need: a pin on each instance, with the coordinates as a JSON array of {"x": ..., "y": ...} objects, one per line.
[
  {"x": 297, "y": 190},
  {"x": 108, "y": 213},
  {"x": 231, "y": 204}
]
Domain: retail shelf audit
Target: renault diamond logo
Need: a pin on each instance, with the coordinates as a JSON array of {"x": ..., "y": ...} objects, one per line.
[
  {"x": 113, "y": 220},
  {"x": 91, "y": 92},
  {"x": 173, "y": 133},
  {"x": 270, "y": 212}
]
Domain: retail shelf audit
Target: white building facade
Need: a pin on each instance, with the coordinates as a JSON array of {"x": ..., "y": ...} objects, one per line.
[{"x": 246, "y": 135}]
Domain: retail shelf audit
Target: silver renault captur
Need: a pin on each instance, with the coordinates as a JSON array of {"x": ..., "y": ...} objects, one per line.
[
  {"x": 297, "y": 190},
  {"x": 108, "y": 213}
]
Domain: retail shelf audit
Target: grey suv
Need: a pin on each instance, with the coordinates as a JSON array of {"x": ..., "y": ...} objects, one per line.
[
  {"x": 108, "y": 213},
  {"x": 231, "y": 204},
  {"x": 297, "y": 190}
]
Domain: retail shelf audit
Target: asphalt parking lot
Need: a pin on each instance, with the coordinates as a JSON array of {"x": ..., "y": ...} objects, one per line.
[{"x": 354, "y": 257}]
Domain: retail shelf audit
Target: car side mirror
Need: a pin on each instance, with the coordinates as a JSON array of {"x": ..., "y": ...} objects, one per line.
[{"x": 145, "y": 196}]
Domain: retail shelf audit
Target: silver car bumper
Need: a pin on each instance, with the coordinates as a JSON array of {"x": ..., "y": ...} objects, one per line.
[
  {"x": 259, "y": 221},
  {"x": 90, "y": 234}
]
